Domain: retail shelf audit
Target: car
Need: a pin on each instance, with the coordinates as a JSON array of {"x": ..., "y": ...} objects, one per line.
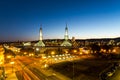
[{"x": 109, "y": 74}]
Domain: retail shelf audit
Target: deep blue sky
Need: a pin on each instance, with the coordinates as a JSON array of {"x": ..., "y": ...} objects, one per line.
[{"x": 21, "y": 19}]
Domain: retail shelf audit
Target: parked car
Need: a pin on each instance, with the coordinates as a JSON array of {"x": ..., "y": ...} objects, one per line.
[{"x": 109, "y": 74}]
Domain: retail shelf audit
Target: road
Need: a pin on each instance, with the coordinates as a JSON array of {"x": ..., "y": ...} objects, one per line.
[
  {"x": 19, "y": 75},
  {"x": 34, "y": 68},
  {"x": 26, "y": 70},
  {"x": 83, "y": 67}
]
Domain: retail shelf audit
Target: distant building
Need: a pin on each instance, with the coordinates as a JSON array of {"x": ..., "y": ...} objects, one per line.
[
  {"x": 66, "y": 42},
  {"x": 26, "y": 43},
  {"x": 73, "y": 39},
  {"x": 40, "y": 42},
  {"x": 74, "y": 43}
]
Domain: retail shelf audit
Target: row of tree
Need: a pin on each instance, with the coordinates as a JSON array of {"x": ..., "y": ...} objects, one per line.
[{"x": 97, "y": 49}]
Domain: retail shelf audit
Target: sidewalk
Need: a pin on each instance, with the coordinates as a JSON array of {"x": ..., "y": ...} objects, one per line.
[{"x": 10, "y": 74}]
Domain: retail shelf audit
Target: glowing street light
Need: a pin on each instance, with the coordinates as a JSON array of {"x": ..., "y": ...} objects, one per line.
[
  {"x": 37, "y": 49},
  {"x": 52, "y": 52},
  {"x": 114, "y": 50},
  {"x": 60, "y": 58},
  {"x": 44, "y": 57},
  {"x": 9, "y": 56},
  {"x": 46, "y": 65},
  {"x": 75, "y": 51}
]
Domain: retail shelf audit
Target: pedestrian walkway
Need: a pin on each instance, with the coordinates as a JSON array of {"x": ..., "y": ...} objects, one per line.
[{"x": 10, "y": 74}]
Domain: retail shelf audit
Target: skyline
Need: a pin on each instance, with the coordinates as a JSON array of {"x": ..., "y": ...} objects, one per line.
[{"x": 21, "y": 20}]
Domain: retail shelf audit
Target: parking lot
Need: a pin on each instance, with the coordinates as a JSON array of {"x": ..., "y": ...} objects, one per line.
[{"x": 82, "y": 69}]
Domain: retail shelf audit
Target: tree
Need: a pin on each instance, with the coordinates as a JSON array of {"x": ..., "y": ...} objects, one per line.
[
  {"x": 95, "y": 48},
  {"x": 107, "y": 47}
]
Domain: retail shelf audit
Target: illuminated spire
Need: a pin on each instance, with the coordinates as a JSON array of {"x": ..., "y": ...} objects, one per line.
[
  {"x": 41, "y": 37},
  {"x": 40, "y": 42},
  {"x": 66, "y": 42},
  {"x": 66, "y": 33}
]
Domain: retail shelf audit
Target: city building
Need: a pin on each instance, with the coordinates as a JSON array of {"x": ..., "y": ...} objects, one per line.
[
  {"x": 26, "y": 43},
  {"x": 40, "y": 43},
  {"x": 66, "y": 37}
]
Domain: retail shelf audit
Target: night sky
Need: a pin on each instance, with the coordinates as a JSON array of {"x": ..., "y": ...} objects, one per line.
[{"x": 21, "y": 19}]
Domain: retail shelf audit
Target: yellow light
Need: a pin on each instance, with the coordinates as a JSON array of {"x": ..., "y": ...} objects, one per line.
[
  {"x": 101, "y": 50},
  {"x": 56, "y": 55},
  {"x": 49, "y": 56},
  {"x": 52, "y": 52},
  {"x": 55, "y": 58},
  {"x": 12, "y": 62},
  {"x": 104, "y": 50},
  {"x": 37, "y": 49},
  {"x": 86, "y": 52},
  {"x": 109, "y": 50},
  {"x": 66, "y": 52},
  {"x": 44, "y": 57},
  {"x": 75, "y": 51},
  {"x": 60, "y": 58},
  {"x": 46, "y": 65},
  {"x": 25, "y": 52},
  {"x": 114, "y": 50},
  {"x": 1, "y": 62},
  {"x": 80, "y": 53},
  {"x": 9, "y": 56},
  {"x": 29, "y": 54}
]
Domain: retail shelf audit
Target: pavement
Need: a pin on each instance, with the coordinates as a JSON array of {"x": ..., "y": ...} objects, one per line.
[
  {"x": 11, "y": 76},
  {"x": 10, "y": 73}
]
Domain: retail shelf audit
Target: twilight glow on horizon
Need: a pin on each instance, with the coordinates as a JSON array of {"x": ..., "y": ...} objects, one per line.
[{"x": 21, "y": 19}]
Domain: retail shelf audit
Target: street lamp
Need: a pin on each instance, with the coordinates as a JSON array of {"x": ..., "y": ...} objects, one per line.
[
  {"x": 37, "y": 49},
  {"x": 46, "y": 65},
  {"x": 9, "y": 56}
]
